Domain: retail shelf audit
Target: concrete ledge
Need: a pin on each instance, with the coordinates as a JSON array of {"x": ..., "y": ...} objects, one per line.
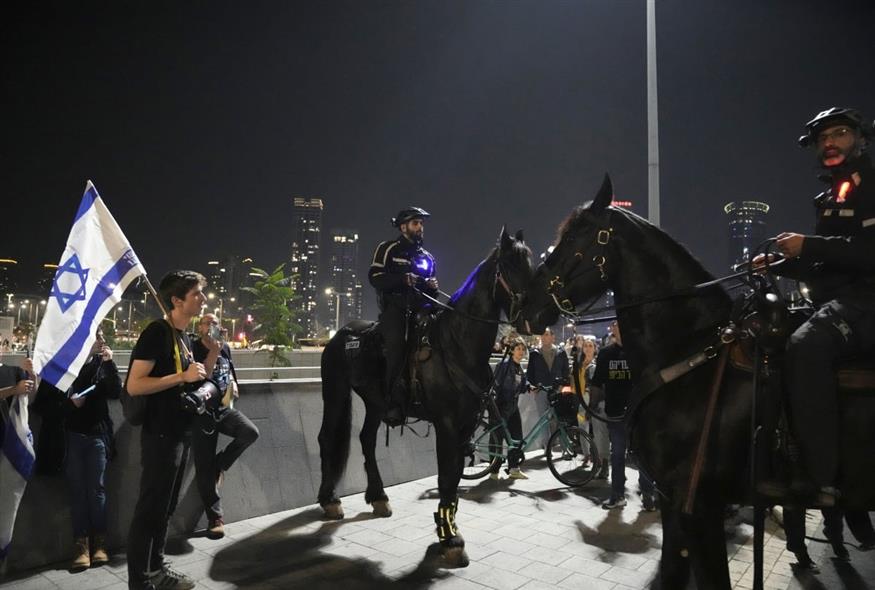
[{"x": 280, "y": 471}]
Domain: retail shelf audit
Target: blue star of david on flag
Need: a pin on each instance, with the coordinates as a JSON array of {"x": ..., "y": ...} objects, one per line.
[{"x": 75, "y": 285}]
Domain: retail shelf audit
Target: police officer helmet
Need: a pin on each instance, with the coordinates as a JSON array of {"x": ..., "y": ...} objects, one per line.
[
  {"x": 835, "y": 116},
  {"x": 409, "y": 214}
]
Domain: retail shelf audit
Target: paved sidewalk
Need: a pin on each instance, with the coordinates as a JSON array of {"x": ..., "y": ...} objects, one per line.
[{"x": 527, "y": 534}]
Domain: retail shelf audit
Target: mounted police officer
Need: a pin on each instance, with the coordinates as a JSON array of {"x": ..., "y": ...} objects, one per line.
[
  {"x": 838, "y": 266},
  {"x": 400, "y": 269}
]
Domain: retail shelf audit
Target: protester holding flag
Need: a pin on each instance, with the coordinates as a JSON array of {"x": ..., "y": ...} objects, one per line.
[
  {"x": 96, "y": 267},
  {"x": 161, "y": 365},
  {"x": 16, "y": 447},
  {"x": 89, "y": 437}
]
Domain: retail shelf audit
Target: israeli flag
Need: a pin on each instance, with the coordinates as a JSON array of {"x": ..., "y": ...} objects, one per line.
[
  {"x": 95, "y": 269},
  {"x": 16, "y": 464}
]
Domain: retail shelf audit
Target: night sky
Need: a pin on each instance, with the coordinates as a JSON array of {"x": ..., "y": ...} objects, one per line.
[{"x": 199, "y": 122}]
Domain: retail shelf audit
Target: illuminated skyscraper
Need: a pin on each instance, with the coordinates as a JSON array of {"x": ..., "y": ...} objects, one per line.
[
  {"x": 343, "y": 278},
  {"x": 306, "y": 228},
  {"x": 747, "y": 228},
  {"x": 8, "y": 278}
]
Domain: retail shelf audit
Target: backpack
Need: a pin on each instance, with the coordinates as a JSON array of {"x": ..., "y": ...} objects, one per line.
[{"x": 134, "y": 406}]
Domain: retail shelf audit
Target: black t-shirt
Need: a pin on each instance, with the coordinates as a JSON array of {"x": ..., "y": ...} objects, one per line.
[
  {"x": 222, "y": 371},
  {"x": 164, "y": 413},
  {"x": 93, "y": 417},
  {"x": 9, "y": 377},
  {"x": 613, "y": 374}
]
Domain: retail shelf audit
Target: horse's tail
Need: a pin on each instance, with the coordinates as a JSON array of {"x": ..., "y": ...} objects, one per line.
[{"x": 334, "y": 436}]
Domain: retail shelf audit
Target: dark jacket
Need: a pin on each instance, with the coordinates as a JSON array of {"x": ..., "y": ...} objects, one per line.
[
  {"x": 538, "y": 373},
  {"x": 510, "y": 382},
  {"x": 838, "y": 261},
  {"x": 392, "y": 260}
]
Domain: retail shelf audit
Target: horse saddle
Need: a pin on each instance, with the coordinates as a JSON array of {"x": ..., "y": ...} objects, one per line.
[{"x": 856, "y": 374}]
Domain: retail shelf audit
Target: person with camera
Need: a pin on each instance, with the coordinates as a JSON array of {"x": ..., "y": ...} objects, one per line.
[
  {"x": 401, "y": 267},
  {"x": 211, "y": 350},
  {"x": 162, "y": 368}
]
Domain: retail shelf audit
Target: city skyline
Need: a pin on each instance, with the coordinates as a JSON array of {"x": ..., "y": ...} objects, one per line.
[{"x": 482, "y": 113}]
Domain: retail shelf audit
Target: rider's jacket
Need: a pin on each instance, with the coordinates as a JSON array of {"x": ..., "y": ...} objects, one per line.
[
  {"x": 393, "y": 259},
  {"x": 839, "y": 261}
]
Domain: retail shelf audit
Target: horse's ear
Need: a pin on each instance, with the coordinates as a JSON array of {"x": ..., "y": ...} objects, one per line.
[
  {"x": 504, "y": 240},
  {"x": 604, "y": 196},
  {"x": 519, "y": 236}
]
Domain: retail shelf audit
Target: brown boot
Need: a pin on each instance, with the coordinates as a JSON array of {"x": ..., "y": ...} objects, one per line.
[
  {"x": 99, "y": 555},
  {"x": 81, "y": 556}
]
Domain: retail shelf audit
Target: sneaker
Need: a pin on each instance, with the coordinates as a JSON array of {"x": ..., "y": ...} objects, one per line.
[
  {"x": 649, "y": 502},
  {"x": 216, "y": 529},
  {"x": 494, "y": 476},
  {"x": 614, "y": 503},
  {"x": 516, "y": 473},
  {"x": 99, "y": 555},
  {"x": 170, "y": 579},
  {"x": 81, "y": 555}
]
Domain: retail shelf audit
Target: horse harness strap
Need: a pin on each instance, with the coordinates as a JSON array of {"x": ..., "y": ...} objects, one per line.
[{"x": 701, "y": 448}]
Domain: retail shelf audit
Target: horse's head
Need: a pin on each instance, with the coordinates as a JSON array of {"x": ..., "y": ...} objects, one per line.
[
  {"x": 575, "y": 268},
  {"x": 514, "y": 272}
]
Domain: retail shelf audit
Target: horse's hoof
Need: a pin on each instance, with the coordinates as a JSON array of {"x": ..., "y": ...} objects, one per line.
[
  {"x": 381, "y": 508},
  {"x": 455, "y": 557},
  {"x": 333, "y": 511}
]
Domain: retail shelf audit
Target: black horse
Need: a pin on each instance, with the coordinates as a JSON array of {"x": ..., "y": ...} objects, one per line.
[
  {"x": 452, "y": 378},
  {"x": 600, "y": 247}
]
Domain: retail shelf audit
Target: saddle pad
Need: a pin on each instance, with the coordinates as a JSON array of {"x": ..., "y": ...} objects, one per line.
[{"x": 855, "y": 374}]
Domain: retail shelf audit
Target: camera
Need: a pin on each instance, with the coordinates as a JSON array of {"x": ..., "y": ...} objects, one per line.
[
  {"x": 197, "y": 398},
  {"x": 215, "y": 332}
]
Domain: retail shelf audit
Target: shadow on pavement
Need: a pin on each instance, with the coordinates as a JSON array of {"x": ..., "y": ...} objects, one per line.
[
  {"x": 613, "y": 535},
  {"x": 279, "y": 557}
]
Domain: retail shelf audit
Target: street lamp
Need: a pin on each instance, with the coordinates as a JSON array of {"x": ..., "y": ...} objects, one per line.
[{"x": 337, "y": 295}]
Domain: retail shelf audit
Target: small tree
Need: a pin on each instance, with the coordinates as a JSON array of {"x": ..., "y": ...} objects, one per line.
[{"x": 273, "y": 296}]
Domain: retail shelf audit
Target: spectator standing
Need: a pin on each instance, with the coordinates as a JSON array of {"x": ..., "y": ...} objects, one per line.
[
  {"x": 160, "y": 366},
  {"x": 89, "y": 437},
  {"x": 510, "y": 382},
  {"x": 612, "y": 380},
  {"x": 547, "y": 365},
  {"x": 211, "y": 350}
]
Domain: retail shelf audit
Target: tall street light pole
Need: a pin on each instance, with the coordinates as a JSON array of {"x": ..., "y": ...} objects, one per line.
[{"x": 652, "y": 118}]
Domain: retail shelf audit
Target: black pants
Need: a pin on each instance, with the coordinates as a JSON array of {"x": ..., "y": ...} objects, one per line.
[
  {"x": 163, "y": 459},
  {"x": 838, "y": 330},
  {"x": 393, "y": 327},
  {"x": 208, "y": 463},
  {"x": 833, "y": 526},
  {"x": 515, "y": 427}
]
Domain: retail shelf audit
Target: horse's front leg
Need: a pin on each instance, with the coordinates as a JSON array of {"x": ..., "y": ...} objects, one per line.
[
  {"x": 449, "y": 459},
  {"x": 674, "y": 565},
  {"x": 375, "y": 495}
]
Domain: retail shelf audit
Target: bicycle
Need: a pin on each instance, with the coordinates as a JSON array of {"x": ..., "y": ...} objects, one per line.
[{"x": 571, "y": 452}]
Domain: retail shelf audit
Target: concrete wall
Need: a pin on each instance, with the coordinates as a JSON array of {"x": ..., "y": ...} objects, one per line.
[{"x": 280, "y": 471}]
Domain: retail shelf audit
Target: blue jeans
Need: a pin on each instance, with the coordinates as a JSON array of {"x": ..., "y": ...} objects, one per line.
[
  {"x": 85, "y": 467},
  {"x": 617, "y": 433}
]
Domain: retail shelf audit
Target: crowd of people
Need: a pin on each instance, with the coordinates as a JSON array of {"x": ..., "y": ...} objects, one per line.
[
  {"x": 585, "y": 369},
  {"x": 76, "y": 438}
]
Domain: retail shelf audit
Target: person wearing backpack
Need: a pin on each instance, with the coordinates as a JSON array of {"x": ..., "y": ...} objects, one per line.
[{"x": 161, "y": 366}]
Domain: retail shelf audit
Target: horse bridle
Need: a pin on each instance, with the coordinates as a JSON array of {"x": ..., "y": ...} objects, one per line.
[
  {"x": 515, "y": 298},
  {"x": 556, "y": 286}
]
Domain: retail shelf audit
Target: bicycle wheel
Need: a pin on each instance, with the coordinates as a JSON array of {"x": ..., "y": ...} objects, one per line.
[
  {"x": 572, "y": 456},
  {"x": 477, "y": 460}
]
